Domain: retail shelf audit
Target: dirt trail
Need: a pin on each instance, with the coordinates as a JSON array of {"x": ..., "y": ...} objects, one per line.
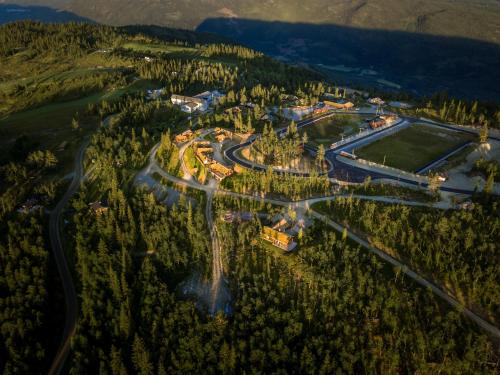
[{"x": 219, "y": 294}]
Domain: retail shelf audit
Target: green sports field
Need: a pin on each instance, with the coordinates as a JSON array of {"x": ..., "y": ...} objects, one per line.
[
  {"x": 330, "y": 130},
  {"x": 413, "y": 147}
]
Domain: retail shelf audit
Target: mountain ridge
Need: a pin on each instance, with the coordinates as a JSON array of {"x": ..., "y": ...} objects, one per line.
[
  {"x": 479, "y": 19},
  {"x": 431, "y": 46}
]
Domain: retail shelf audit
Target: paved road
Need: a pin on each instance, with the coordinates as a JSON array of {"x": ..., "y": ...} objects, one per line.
[
  {"x": 489, "y": 328},
  {"x": 345, "y": 172},
  {"x": 153, "y": 167},
  {"x": 219, "y": 293},
  {"x": 70, "y": 296},
  {"x": 230, "y": 153},
  {"x": 305, "y": 204}
]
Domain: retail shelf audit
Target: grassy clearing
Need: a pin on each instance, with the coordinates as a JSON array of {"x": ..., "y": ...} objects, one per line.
[
  {"x": 158, "y": 48},
  {"x": 27, "y": 82},
  {"x": 46, "y": 118},
  {"x": 330, "y": 130},
  {"x": 49, "y": 126},
  {"x": 193, "y": 164},
  {"x": 413, "y": 147}
]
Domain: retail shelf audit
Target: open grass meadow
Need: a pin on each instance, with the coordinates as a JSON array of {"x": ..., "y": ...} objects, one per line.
[
  {"x": 49, "y": 127},
  {"x": 178, "y": 50},
  {"x": 40, "y": 97},
  {"x": 413, "y": 147}
]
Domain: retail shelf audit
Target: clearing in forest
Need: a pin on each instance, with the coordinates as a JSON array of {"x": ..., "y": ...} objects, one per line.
[{"x": 159, "y": 48}]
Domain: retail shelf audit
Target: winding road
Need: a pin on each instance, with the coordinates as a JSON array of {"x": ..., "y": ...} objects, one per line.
[
  {"x": 306, "y": 205},
  {"x": 70, "y": 296},
  {"x": 219, "y": 293},
  {"x": 219, "y": 287},
  {"x": 346, "y": 172}
]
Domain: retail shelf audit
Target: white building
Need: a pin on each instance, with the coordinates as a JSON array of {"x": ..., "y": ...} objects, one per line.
[
  {"x": 154, "y": 94},
  {"x": 211, "y": 97},
  {"x": 376, "y": 101},
  {"x": 298, "y": 112},
  {"x": 190, "y": 104},
  {"x": 197, "y": 103}
]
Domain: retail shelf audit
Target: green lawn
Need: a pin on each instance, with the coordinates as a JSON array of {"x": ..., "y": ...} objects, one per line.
[
  {"x": 158, "y": 48},
  {"x": 413, "y": 147},
  {"x": 330, "y": 130},
  {"x": 50, "y": 119},
  {"x": 48, "y": 126}
]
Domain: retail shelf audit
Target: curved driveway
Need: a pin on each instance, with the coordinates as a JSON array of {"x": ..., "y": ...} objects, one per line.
[
  {"x": 70, "y": 296},
  {"x": 305, "y": 204}
]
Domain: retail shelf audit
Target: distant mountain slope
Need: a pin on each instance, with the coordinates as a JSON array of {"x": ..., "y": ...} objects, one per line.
[
  {"x": 418, "y": 45},
  {"x": 390, "y": 60},
  {"x": 12, "y": 13},
  {"x": 477, "y": 19}
]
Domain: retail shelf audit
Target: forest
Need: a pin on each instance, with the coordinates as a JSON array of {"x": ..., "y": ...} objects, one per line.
[
  {"x": 28, "y": 282},
  {"x": 330, "y": 307},
  {"x": 283, "y": 185},
  {"x": 458, "y": 249},
  {"x": 285, "y": 311}
]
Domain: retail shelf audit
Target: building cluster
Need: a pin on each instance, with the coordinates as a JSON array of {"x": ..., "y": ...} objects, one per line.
[
  {"x": 376, "y": 101},
  {"x": 98, "y": 208},
  {"x": 283, "y": 231},
  {"x": 204, "y": 153},
  {"x": 236, "y": 217},
  {"x": 240, "y": 108},
  {"x": 197, "y": 103},
  {"x": 222, "y": 134},
  {"x": 32, "y": 204},
  {"x": 279, "y": 239},
  {"x": 339, "y": 104},
  {"x": 287, "y": 99},
  {"x": 382, "y": 120},
  {"x": 185, "y": 136},
  {"x": 298, "y": 112}
]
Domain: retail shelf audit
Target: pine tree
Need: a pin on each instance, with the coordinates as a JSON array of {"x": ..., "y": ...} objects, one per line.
[
  {"x": 320, "y": 157},
  {"x": 483, "y": 134},
  {"x": 75, "y": 124},
  {"x": 140, "y": 357},
  {"x": 488, "y": 186}
]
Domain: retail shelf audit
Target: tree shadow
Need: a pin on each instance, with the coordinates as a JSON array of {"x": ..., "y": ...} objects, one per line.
[{"x": 420, "y": 63}]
